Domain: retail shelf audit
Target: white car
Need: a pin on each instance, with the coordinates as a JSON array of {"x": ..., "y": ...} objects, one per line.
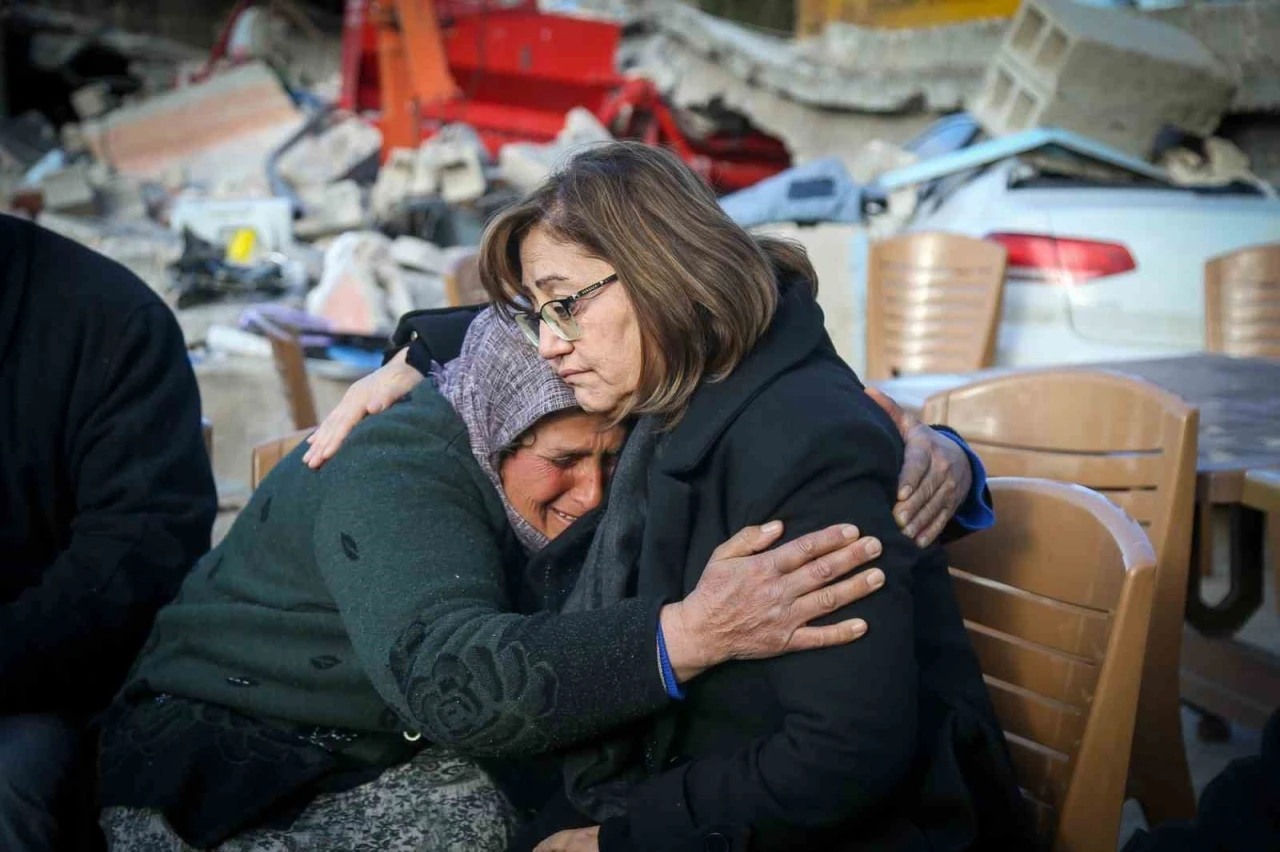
[{"x": 1106, "y": 254}]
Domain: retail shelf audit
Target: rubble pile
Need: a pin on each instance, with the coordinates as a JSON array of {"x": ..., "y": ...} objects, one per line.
[{"x": 230, "y": 183}]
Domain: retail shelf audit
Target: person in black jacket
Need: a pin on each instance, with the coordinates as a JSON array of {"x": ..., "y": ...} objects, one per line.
[
  {"x": 649, "y": 301},
  {"x": 106, "y": 499}
]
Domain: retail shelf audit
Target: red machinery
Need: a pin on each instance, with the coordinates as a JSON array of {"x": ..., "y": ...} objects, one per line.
[{"x": 512, "y": 73}]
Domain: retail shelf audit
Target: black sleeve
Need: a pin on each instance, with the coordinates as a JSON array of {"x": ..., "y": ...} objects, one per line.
[
  {"x": 848, "y": 732},
  {"x": 144, "y": 507},
  {"x": 432, "y": 335}
]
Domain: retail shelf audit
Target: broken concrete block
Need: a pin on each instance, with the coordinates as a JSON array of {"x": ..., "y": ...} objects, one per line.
[
  {"x": 451, "y": 164},
  {"x": 415, "y": 253},
  {"x": 461, "y": 174},
  {"x": 91, "y": 101},
  {"x": 330, "y": 209},
  {"x": 394, "y": 183},
  {"x": 425, "y": 290},
  {"x": 351, "y": 294},
  {"x": 68, "y": 190},
  {"x": 331, "y": 154},
  {"x": 524, "y": 165},
  {"x": 1104, "y": 73},
  {"x": 146, "y": 138}
]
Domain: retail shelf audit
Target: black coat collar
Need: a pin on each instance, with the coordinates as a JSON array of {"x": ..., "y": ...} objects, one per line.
[{"x": 796, "y": 333}]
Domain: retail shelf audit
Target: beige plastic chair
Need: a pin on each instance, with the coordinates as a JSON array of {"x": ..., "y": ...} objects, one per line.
[
  {"x": 268, "y": 454},
  {"x": 291, "y": 363},
  {"x": 1057, "y": 598},
  {"x": 933, "y": 304},
  {"x": 1136, "y": 444},
  {"x": 1242, "y": 303}
]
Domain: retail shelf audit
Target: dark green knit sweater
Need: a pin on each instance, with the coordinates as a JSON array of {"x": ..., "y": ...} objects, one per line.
[{"x": 375, "y": 595}]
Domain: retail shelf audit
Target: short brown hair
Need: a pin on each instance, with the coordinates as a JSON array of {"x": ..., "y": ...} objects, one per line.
[{"x": 704, "y": 290}]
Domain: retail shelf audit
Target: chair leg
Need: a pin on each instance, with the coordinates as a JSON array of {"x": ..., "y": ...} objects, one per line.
[{"x": 1159, "y": 776}]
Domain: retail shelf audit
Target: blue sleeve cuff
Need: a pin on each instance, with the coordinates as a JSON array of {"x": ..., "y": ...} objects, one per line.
[
  {"x": 976, "y": 512},
  {"x": 668, "y": 674}
]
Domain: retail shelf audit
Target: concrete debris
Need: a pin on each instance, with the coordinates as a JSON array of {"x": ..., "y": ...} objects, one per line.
[
  {"x": 394, "y": 183},
  {"x": 330, "y": 209},
  {"x": 524, "y": 165},
  {"x": 92, "y": 100},
  {"x": 218, "y": 220},
  {"x": 451, "y": 164},
  {"x": 1221, "y": 163},
  {"x": 1114, "y": 76},
  {"x": 1243, "y": 36},
  {"x": 328, "y": 156},
  {"x": 417, "y": 254},
  {"x": 361, "y": 291},
  {"x": 68, "y": 190},
  {"x": 846, "y": 68},
  {"x": 147, "y": 138}
]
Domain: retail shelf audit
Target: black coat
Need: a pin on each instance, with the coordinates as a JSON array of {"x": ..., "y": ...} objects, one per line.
[
  {"x": 887, "y": 743},
  {"x": 106, "y": 495}
]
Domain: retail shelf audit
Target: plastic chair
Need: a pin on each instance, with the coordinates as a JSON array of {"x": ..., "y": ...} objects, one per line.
[
  {"x": 1057, "y": 598},
  {"x": 933, "y": 304},
  {"x": 268, "y": 454},
  {"x": 1242, "y": 303},
  {"x": 1135, "y": 443}
]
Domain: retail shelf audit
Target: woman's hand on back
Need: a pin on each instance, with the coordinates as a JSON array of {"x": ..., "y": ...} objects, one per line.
[
  {"x": 935, "y": 479},
  {"x": 370, "y": 395},
  {"x": 754, "y": 603}
]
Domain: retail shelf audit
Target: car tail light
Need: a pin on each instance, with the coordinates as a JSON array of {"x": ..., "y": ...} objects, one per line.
[{"x": 1058, "y": 260}]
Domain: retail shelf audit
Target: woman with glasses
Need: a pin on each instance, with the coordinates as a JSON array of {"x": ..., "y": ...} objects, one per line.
[
  {"x": 655, "y": 308},
  {"x": 329, "y": 674}
]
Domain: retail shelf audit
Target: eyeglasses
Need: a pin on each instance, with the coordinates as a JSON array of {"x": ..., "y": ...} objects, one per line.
[{"x": 558, "y": 314}]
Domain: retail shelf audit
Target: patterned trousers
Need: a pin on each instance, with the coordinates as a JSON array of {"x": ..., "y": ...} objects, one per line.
[{"x": 437, "y": 802}]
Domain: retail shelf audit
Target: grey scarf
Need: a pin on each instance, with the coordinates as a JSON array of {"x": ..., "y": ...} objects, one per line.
[
  {"x": 598, "y": 777},
  {"x": 500, "y": 386}
]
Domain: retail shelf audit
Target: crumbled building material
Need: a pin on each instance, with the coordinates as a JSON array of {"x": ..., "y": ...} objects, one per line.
[
  {"x": 329, "y": 156},
  {"x": 330, "y": 209},
  {"x": 524, "y": 165},
  {"x": 1105, "y": 73},
  {"x": 149, "y": 137}
]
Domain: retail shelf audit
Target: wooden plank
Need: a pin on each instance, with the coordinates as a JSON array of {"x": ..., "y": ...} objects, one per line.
[{"x": 1230, "y": 679}]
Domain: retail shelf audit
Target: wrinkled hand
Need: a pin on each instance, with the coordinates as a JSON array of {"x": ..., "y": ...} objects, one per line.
[
  {"x": 752, "y": 603},
  {"x": 374, "y": 393},
  {"x": 935, "y": 478},
  {"x": 574, "y": 840}
]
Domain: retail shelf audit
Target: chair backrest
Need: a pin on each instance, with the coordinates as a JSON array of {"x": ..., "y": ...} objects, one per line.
[
  {"x": 462, "y": 283},
  {"x": 267, "y": 454},
  {"x": 1120, "y": 435},
  {"x": 291, "y": 363},
  {"x": 933, "y": 304},
  {"x": 1242, "y": 302},
  {"x": 1057, "y": 598}
]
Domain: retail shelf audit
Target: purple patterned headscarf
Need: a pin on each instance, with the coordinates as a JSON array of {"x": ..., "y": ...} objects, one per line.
[{"x": 500, "y": 386}]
